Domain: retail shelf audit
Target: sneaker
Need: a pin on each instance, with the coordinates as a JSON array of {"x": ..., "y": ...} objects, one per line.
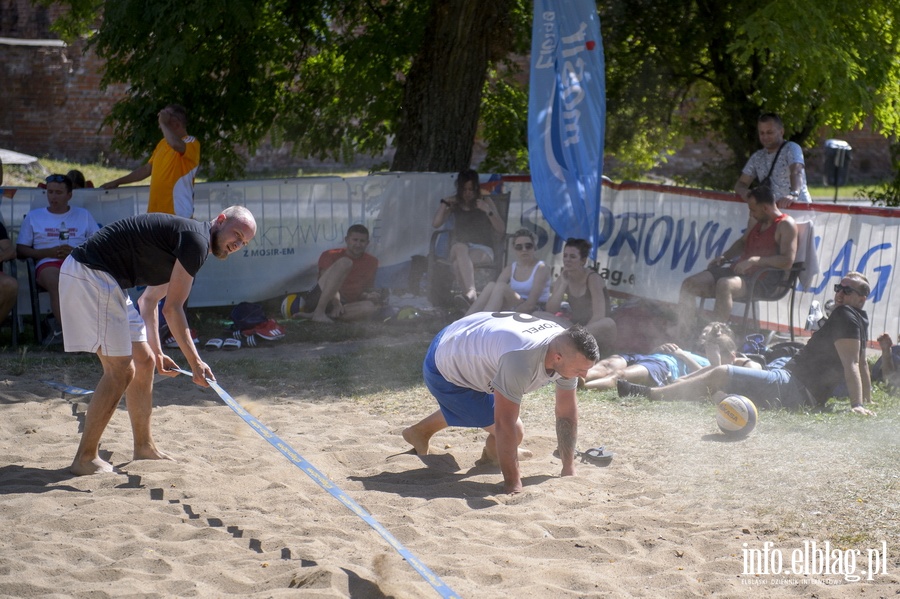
[
  {"x": 170, "y": 342},
  {"x": 625, "y": 389},
  {"x": 54, "y": 338},
  {"x": 268, "y": 330}
]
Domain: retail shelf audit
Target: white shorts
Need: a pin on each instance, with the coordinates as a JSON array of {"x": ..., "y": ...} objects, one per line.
[{"x": 97, "y": 315}]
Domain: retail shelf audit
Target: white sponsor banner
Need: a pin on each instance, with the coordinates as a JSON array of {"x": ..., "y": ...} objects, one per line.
[{"x": 652, "y": 236}]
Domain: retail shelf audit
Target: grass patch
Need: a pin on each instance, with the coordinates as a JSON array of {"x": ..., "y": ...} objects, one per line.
[{"x": 102, "y": 172}]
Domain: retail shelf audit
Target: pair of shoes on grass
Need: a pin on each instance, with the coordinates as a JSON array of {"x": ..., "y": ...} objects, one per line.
[{"x": 229, "y": 344}]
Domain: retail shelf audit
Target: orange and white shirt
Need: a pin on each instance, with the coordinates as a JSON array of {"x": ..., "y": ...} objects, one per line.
[{"x": 172, "y": 178}]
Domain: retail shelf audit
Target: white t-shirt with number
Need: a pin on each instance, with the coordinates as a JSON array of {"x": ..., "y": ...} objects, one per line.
[
  {"x": 42, "y": 229},
  {"x": 502, "y": 351}
]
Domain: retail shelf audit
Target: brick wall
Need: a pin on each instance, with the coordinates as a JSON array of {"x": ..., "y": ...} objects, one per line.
[
  {"x": 870, "y": 158},
  {"x": 52, "y": 103}
]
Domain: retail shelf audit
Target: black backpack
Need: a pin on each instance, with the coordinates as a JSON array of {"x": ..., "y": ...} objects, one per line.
[{"x": 247, "y": 316}]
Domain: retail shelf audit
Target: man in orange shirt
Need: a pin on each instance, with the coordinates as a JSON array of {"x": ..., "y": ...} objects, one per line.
[{"x": 171, "y": 168}]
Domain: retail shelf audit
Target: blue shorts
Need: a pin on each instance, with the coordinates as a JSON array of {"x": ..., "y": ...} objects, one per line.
[
  {"x": 459, "y": 405},
  {"x": 768, "y": 388},
  {"x": 662, "y": 371}
]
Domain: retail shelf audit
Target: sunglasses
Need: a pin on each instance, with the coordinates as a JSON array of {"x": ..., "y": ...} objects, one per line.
[
  {"x": 56, "y": 179},
  {"x": 523, "y": 246},
  {"x": 847, "y": 289}
]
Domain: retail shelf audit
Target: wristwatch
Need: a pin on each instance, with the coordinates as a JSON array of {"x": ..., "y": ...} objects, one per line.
[{"x": 794, "y": 194}]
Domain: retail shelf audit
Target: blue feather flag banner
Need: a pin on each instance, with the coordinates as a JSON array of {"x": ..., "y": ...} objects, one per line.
[{"x": 567, "y": 115}]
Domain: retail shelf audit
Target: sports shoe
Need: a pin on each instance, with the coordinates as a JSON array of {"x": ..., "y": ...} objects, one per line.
[
  {"x": 625, "y": 389},
  {"x": 54, "y": 338},
  {"x": 170, "y": 342},
  {"x": 268, "y": 330}
]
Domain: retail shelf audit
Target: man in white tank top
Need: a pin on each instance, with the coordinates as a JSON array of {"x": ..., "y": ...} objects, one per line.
[{"x": 481, "y": 366}]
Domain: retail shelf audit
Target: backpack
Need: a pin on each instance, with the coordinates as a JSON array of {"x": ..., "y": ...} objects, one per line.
[{"x": 785, "y": 349}]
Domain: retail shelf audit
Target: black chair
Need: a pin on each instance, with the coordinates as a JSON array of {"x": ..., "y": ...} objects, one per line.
[
  {"x": 35, "y": 291},
  {"x": 13, "y": 271},
  {"x": 440, "y": 271},
  {"x": 787, "y": 286},
  {"x": 757, "y": 293}
]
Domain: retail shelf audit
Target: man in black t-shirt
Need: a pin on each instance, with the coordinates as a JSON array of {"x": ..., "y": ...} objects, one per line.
[
  {"x": 834, "y": 354},
  {"x": 164, "y": 253}
]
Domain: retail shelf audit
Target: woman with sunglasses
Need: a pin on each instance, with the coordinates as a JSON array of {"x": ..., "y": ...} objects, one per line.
[
  {"x": 585, "y": 291},
  {"x": 523, "y": 286}
]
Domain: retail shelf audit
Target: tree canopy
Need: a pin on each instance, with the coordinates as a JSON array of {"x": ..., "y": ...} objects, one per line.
[
  {"x": 679, "y": 68},
  {"x": 333, "y": 77},
  {"x": 341, "y": 77}
]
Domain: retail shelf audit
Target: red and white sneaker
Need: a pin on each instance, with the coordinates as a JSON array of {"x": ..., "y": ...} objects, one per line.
[{"x": 269, "y": 330}]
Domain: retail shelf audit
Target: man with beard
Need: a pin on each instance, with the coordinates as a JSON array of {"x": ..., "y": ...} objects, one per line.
[{"x": 164, "y": 253}]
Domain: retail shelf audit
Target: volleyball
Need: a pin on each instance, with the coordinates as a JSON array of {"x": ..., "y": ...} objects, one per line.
[
  {"x": 736, "y": 416},
  {"x": 292, "y": 305}
]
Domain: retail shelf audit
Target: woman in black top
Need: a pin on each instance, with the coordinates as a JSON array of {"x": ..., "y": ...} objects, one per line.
[{"x": 475, "y": 220}]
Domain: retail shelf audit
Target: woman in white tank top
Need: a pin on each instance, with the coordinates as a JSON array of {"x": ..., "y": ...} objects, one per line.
[{"x": 523, "y": 286}]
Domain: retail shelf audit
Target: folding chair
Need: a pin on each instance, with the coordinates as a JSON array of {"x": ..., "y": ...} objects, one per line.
[
  {"x": 35, "y": 291},
  {"x": 787, "y": 286},
  {"x": 13, "y": 271},
  {"x": 440, "y": 271}
]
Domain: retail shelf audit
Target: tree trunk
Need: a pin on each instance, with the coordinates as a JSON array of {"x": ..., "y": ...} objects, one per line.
[{"x": 442, "y": 98}]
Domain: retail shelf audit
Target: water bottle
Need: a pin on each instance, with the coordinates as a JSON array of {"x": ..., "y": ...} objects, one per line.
[{"x": 815, "y": 313}]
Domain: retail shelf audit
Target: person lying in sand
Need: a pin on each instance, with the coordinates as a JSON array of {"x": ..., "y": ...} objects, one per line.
[
  {"x": 480, "y": 367},
  {"x": 834, "y": 354},
  {"x": 668, "y": 363}
]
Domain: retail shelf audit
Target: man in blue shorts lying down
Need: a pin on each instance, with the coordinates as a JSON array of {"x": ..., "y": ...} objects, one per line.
[
  {"x": 480, "y": 367},
  {"x": 835, "y": 354}
]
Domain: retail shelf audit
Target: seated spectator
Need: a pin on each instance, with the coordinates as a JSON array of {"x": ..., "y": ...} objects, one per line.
[
  {"x": 835, "y": 354},
  {"x": 9, "y": 287},
  {"x": 770, "y": 240},
  {"x": 346, "y": 285},
  {"x": 48, "y": 235},
  {"x": 475, "y": 221},
  {"x": 585, "y": 291},
  {"x": 78, "y": 181},
  {"x": 523, "y": 286}
]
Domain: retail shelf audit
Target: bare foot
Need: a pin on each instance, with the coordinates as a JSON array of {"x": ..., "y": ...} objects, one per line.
[
  {"x": 487, "y": 459},
  {"x": 95, "y": 466},
  {"x": 417, "y": 440},
  {"x": 149, "y": 453}
]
